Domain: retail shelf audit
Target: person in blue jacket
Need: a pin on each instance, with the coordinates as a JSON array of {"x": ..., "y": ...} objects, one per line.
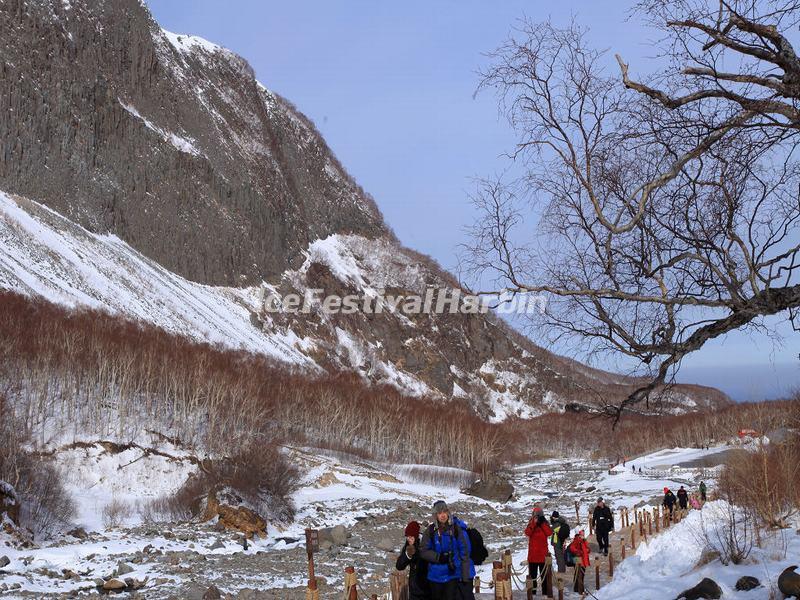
[{"x": 445, "y": 545}]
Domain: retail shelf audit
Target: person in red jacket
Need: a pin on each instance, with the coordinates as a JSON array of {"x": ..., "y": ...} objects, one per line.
[
  {"x": 580, "y": 549},
  {"x": 538, "y": 532}
]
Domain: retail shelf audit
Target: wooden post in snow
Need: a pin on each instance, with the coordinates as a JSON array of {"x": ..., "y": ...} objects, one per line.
[
  {"x": 547, "y": 584},
  {"x": 610, "y": 564},
  {"x": 350, "y": 584},
  {"x": 597, "y": 575}
]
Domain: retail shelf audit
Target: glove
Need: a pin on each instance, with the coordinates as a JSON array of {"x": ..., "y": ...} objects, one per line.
[
  {"x": 411, "y": 550},
  {"x": 444, "y": 558}
]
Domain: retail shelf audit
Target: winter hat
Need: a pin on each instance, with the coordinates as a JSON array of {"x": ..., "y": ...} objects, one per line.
[
  {"x": 412, "y": 529},
  {"x": 537, "y": 510},
  {"x": 666, "y": 490},
  {"x": 555, "y": 515},
  {"x": 600, "y": 499},
  {"x": 440, "y": 506},
  {"x": 582, "y": 533}
]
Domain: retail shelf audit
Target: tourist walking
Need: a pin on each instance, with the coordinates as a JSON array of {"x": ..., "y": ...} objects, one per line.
[
  {"x": 537, "y": 531},
  {"x": 418, "y": 586},
  {"x": 560, "y": 535},
  {"x": 445, "y": 545},
  {"x": 580, "y": 550},
  {"x": 603, "y": 522}
]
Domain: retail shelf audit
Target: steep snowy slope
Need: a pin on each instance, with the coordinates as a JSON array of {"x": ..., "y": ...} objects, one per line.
[{"x": 446, "y": 355}]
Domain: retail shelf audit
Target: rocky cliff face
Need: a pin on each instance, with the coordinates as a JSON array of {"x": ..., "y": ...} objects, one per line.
[
  {"x": 203, "y": 176},
  {"x": 167, "y": 141}
]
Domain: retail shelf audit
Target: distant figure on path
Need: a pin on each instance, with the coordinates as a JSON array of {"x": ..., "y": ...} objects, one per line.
[
  {"x": 560, "y": 535},
  {"x": 537, "y": 531},
  {"x": 683, "y": 498},
  {"x": 703, "y": 491},
  {"x": 669, "y": 501},
  {"x": 418, "y": 587},
  {"x": 694, "y": 502},
  {"x": 603, "y": 521},
  {"x": 580, "y": 549}
]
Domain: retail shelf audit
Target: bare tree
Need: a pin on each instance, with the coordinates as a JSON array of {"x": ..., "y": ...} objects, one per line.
[{"x": 666, "y": 207}]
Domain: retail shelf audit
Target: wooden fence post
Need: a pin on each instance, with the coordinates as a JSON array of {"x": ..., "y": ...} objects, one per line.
[
  {"x": 610, "y": 564},
  {"x": 398, "y": 585},
  {"x": 591, "y": 524},
  {"x": 633, "y": 539},
  {"x": 577, "y": 513},
  {"x": 477, "y": 583},
  {"x": 547, "y": 584},
  {"x": 560, "y": 585},
  {"x": 502, "y": 590},
  {"x": 350, "y": 584},
  {"x": 597, "y": 575},
  {"x": 622, "y": 548}
]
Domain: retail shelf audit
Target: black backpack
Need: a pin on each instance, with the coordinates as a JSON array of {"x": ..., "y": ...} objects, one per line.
[{"x": 477, "y": 549}]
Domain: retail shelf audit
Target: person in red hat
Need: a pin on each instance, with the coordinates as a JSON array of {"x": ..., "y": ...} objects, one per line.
[
  {"x": 418, "y": 588},
  {"x": 538, "y": 531},
  {"x": 580, "y": 549}
]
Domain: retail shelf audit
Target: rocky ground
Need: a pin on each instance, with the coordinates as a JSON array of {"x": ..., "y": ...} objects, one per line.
[{"x": 361, "y": 511}]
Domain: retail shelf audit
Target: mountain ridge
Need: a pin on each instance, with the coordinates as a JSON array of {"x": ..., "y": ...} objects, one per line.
[{"x": 180, "y": 188}]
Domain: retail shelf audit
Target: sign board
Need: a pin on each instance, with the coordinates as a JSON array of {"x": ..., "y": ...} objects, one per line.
[{"x": 312, "y": 541}]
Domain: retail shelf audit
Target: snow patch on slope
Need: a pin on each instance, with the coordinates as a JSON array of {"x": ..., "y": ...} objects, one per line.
[
  {"x": 181, "y": 143},
  {"x": 45, "y": 254}
]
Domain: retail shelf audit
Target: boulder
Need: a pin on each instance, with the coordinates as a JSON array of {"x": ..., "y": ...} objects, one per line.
[
  {"x": 9, "y": 504},
  {"x": 239, "y": 518},
  {"x": 4, "y": 561},
  {"x": 387, "y": 545},
  {"x": 707, "y": 589},
  {"x": 114, "y": 584},
  {"x": 217, "y": 545},
  {"x": 335, "y": 535},
  {"x": 212, "y": 593},
  {"x": 78, "y": 533},
  {"x": 747, "y": 583},
  {"x": 492, "y": 487},
  {"x": 789, "y": 582},
  {"x": 124, "y": 568}
]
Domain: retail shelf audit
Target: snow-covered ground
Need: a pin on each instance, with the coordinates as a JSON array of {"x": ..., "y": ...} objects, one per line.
[{"x": 373, "y": 502}]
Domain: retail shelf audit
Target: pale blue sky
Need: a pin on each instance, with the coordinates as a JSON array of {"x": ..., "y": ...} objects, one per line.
[{"x": 390, "y": 86}]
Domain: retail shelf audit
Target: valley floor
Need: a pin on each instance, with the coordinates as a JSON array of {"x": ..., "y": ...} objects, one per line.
[{"x": 373, "y": 502}]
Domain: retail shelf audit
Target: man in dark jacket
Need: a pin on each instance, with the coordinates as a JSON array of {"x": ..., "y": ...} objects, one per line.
[
  {"x": 669, "y": 501},
  {"x": 683, "y": 498},
  {"x": 603, "y": 521},
  {"x": 703, "y": 491},
  {"x": 560, "y": 535},
  {"x": 418, "y": 588},
  {"x": 445, "y": 545}
]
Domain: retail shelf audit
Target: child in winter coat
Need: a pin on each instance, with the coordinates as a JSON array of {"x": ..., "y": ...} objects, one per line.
[
  {"x": 580, "y": 549},
  {"x": 694, "y": 502},
  {"x": 418, "y": 587},
  {"x": 538, "y": 531}
]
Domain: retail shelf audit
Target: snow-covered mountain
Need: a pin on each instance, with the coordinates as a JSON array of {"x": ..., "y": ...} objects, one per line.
[{"x": 149, "y": 174}]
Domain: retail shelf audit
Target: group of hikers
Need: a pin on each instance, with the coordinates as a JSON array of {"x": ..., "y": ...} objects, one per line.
[
  {"x": 683, "y": 499},
  {"x": 441, "y": 558}
]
